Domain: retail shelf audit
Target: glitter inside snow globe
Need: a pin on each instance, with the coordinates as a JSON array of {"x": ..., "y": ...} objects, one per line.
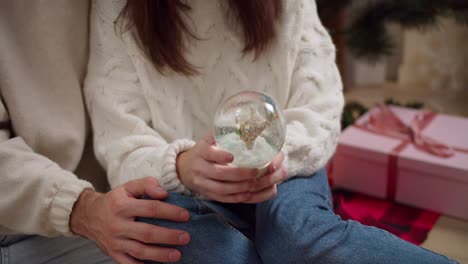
[{"x": 251, "y": 127}]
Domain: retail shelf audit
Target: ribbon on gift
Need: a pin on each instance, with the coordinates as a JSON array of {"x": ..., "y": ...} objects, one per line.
[{"x": 383, "y": 121}]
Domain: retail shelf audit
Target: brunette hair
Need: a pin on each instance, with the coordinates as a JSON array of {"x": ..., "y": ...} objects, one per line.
[{"x": 163, "y": 32}]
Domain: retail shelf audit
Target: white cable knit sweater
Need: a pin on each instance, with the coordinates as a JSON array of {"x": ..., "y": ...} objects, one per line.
[{"x": 143, "y": 119}]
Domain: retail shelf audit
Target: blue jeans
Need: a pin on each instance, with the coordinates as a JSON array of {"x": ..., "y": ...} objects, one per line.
[
  {"x": 298, "y": 226},
  {"x": 19, "y": 249}
]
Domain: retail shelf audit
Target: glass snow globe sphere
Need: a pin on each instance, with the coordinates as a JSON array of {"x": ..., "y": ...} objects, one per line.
[{"x": 250, "y": 126}]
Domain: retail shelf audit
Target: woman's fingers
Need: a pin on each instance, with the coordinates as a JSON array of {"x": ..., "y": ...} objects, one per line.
[
  {"x": 277, "y": 176},
  {"x": 156, "y": 209},
  {"x": 208, "y": 150},
  {"x": 276, "y": 162},
  {"x": 266, "y": 187},
  {"x": 214, "y": 154},
  {"x": 226, "y": 188},
  {"x": 227, "y": 173},
  {"x": 263, "y": 195},
  {"x": 229, "y": 198},
  {"x": 209, "y": 138},
  {"x": 205, "y": 169},
  {"x": 152, "y": 234}
]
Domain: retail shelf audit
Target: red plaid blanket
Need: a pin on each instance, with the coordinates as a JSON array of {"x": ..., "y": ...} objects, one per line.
[{"x": 409, "y": 223}]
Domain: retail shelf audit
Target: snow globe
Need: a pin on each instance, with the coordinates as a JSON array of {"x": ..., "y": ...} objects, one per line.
[{"x": 250, "y": 126}]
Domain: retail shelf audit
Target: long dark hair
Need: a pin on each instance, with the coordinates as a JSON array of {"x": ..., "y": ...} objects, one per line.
[{"x": 163, "y": 32}]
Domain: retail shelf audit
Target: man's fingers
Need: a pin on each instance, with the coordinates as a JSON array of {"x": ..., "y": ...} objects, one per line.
[
  {"x": 153, "y": 234},
  {"x": 156, "y": 209},
  {"x": 125, "y": 259},
  {"x": 143, "y": 251},
  {"x": 145, "y": 186}
]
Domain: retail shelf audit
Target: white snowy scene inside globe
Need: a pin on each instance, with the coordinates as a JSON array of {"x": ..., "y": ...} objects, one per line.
[{"x": 251, "y": 126}]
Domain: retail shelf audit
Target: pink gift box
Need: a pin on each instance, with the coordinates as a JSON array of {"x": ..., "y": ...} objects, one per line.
[{"x": 368, "y": 162}]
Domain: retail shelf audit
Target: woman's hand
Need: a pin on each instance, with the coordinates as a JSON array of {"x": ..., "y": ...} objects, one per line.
[
  {"x": 204, "y": 169},
  {"x": 108, "y": 219},
  {"x": 265, "y": 187}
]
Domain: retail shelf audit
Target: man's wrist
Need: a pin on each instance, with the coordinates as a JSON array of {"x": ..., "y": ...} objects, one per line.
[{"x": 79, "y": 218}]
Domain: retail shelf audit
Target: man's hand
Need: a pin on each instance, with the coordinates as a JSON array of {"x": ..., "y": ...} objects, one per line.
[{"x": 108, "y": 219}]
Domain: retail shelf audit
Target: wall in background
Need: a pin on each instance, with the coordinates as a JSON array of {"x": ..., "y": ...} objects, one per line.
[
  {"x": 436, "y": 59},
  {"x": 433, "y": 59}
]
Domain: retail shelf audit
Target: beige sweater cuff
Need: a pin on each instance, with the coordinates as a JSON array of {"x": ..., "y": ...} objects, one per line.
[{"x": 61, "y": 206}]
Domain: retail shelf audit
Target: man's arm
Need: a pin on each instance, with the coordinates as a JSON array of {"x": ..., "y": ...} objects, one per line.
[{"x": 37, "y": 196}]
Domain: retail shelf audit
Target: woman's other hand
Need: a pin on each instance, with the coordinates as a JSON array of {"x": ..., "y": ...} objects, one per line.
[
  {"x": 108, "y": 219},
  {"x": 265, "y": 187},
  {"x": 205, "y": 169}
]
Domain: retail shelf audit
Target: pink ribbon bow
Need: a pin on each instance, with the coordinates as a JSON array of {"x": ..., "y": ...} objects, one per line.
[{"x": 384, "y": 121}]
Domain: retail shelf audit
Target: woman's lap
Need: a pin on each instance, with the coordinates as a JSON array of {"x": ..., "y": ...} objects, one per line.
[
  {"x": 298, "y": 226},
  {"x": 216, "y": 235}
]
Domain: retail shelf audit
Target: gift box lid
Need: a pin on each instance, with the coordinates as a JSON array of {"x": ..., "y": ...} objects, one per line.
[
  {"x": 365, "y": 145},
  {"x": 450, "y": 130}
]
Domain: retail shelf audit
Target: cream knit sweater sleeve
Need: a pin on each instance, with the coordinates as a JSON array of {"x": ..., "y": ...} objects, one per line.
[
  {"x": 40, "y": 101},
  {"x": 125, "y": 144},
  {"x": 315, "y": 103},
  {"x": 37, "y": 195}
]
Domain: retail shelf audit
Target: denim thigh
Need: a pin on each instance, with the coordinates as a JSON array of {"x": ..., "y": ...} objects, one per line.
[
  {"x": 299, "y": 226},
  {"x": 58, "y": 250},
  {"x": 215, "y": 233}
]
